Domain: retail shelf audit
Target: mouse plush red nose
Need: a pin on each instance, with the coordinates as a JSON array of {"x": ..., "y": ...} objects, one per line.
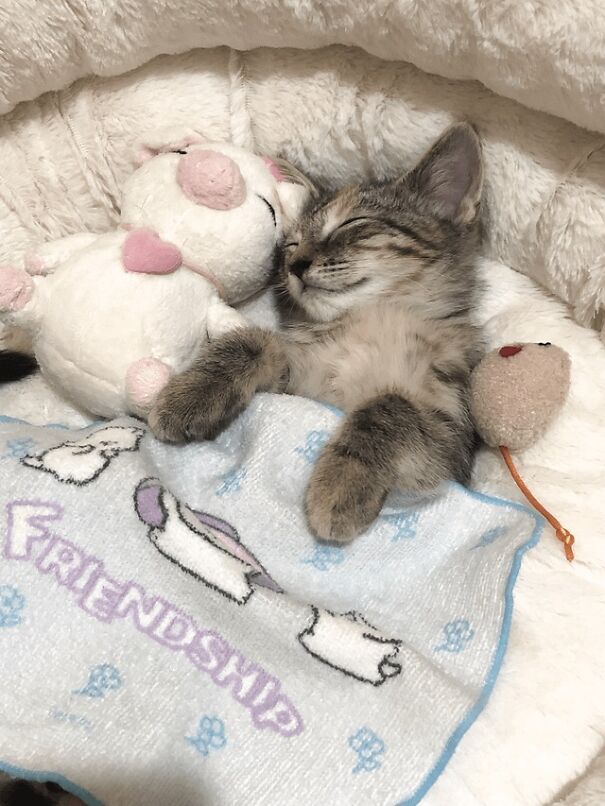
[
  {"x": 509, "y": 350},
  {"x": 211, "y": 179}
]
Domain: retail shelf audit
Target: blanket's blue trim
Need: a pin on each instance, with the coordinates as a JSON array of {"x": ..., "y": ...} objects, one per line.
[
  {"x": 57, "y": 778},
  {"x": 494, "y": 671},
  {"x": 4, "y": 418}
]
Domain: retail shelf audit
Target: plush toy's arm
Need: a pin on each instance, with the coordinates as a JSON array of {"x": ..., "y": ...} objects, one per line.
[
  {"x": 21, "y": 299},
  {"x": 45, "y": 258},
  {"x": 222, "y": 318}
]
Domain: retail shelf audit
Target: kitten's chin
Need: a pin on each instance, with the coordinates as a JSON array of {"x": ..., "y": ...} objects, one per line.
[
  {"x": 295, "y": 287},
  {"x": 316, "y": 303},
  {"x": 319, "y": 305}
]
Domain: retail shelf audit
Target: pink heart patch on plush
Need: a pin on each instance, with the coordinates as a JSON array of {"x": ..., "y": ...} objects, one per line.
[{"x": 145, "y": 252}]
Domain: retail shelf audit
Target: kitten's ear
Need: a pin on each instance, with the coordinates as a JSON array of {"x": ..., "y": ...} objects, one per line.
[{"x": 450, "y": 175}]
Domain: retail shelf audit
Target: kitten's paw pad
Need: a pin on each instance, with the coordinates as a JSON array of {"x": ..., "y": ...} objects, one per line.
[
  {"x": 192, "y": 407},
  {"x": 16, "y": 288},
  {"x": 343, "y": 498}
]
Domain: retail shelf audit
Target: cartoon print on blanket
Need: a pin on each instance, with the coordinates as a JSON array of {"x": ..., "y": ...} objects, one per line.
[
  {"x": 348, "y": 643},
  {"x": 83, "y": 460},
  {"x": 208, "y": 548}
]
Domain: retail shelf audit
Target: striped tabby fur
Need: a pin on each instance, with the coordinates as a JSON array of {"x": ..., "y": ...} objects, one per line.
[{"x": 376, "y": 291}]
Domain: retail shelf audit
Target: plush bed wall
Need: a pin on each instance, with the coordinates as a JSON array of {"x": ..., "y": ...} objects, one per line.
[{"x": 547, "y": 55}]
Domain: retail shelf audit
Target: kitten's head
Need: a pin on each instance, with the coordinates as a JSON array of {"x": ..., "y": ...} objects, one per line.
[{"x": 413, "y": 235}]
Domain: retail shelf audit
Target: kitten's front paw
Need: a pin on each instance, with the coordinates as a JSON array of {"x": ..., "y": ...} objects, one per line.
[
  {"x": 196, "y": 406},
  {"x": 343, "y": 497}
]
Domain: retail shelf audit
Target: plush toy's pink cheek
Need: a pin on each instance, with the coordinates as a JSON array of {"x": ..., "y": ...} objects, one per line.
[{"x": 212, "y": 179}]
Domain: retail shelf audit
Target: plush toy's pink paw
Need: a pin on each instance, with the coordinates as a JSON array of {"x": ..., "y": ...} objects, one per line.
[
  {"x": 34, "y": 264},
  {"x": 16, "y": 288},
  {"x": 145, "y": 252},
  {"x": 145, "y": 379}
]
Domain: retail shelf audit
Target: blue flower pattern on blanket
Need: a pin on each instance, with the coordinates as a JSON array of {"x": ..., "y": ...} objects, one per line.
[
  {"x": 101, "y": 680},
  {"x": 369, "y": 748},
  {"x": 313, "y": 445},
  {"x": 210, "y": 735},
  {"x": 324, "y": 557},
  {"x": 232, "y": 481},
  {"x": 18, "y": 448},
  {"x": 404, "y": 525},
  {"x": 456, "y": 636},
  {"x": 12, "y": 603},
  {"x": 488, "y": 537}
]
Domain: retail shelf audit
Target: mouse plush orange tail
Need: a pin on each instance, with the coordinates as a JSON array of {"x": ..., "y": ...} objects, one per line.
[
  {"x": 561, "y": 532},
  {"x": 516, "y": 393}
]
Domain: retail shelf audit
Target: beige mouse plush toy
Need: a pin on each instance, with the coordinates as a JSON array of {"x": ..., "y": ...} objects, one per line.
[{"x": 517, "y": 391}]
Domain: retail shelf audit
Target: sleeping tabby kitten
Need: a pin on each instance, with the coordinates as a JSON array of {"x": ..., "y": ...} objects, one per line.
[{"x": 376, "y": 291}]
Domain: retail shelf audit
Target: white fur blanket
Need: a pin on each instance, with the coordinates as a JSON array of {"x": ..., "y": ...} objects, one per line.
[{"x": 548, "y": 55}]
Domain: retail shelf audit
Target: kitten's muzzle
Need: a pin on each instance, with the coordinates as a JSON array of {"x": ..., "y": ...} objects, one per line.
[{"x": 299, "y": 266}]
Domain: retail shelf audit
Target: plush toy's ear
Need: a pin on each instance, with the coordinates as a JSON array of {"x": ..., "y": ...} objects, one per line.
[
  {"x": 160, "y": 141},
  {"x": 295, "y": 190}
]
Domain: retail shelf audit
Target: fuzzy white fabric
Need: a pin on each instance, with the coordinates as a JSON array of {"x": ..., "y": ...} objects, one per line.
[
  {"x": 589, "y": 790},
  {"x": 337, "y": 113},
  {"x": 546, "y": 717},
  {"x": 548, "y": 55}
]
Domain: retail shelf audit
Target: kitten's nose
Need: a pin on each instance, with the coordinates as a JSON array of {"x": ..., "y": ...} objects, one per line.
[{"x": 299, "y": 266}]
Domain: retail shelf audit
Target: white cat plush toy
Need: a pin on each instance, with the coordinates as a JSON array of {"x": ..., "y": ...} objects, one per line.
[{"x": 112, "y": 316}]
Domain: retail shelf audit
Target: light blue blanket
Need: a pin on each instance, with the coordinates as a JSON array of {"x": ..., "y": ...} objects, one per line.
[{"x": 171, "y": 633}]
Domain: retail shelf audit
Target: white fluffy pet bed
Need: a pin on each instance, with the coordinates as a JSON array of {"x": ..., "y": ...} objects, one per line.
[{"x": 343, "y": 113}]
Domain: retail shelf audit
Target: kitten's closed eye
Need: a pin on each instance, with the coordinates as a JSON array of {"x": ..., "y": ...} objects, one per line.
[{"x": 348, "y": 222}]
